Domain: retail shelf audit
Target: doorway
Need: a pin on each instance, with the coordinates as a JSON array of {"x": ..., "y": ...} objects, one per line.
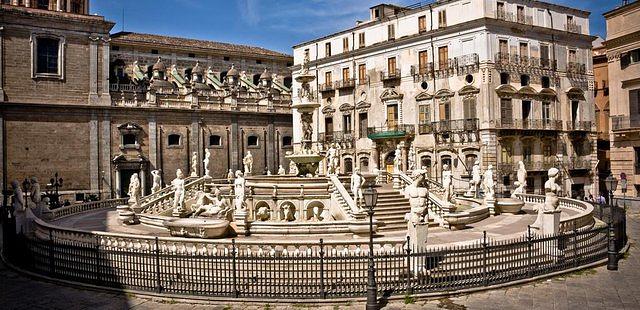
[
  {"x": 388, "y": 161},
  {"x": 125, "y": 178}
]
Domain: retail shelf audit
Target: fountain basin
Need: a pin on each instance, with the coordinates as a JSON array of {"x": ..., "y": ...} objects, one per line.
[
  {"x": 307, "y": 164},
  {"x": 197, "y": 227},
  {"x": 509, "y": 205}
]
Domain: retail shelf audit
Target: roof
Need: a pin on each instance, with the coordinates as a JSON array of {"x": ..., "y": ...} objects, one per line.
[
  {"x": 185, "y": 43},
  {"x": 621, "y": 8}
]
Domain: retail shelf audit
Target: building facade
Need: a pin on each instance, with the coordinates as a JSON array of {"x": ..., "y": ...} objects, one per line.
[
  {"x": 458, "y": 81},
  {"x": 623, "y": 54},
  {"x": 97, "y": 108},
  {"x": 602, "y": 115}
]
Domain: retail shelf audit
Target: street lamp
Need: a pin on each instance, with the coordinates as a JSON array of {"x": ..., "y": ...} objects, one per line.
[
  {"x": 612, "y": 262},
  {"x": 611, "y": 183},
  {"x": 54, "y": 198},
  {"x": 370, "y": 196}
]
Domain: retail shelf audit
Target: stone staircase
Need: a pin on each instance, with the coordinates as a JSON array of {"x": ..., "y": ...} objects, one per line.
[{"x": 390, "y": 210}]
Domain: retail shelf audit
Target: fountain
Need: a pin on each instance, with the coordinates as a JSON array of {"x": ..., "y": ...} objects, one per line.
[{"x": 306, "y": 159}]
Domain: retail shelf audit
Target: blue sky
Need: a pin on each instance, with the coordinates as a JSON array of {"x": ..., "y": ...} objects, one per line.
[{"x": 273, "y": 24}]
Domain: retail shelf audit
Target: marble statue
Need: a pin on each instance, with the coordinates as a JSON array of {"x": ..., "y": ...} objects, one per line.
[
  {"x": 289, "y": 213},
  {"x": 247, "y": 161},
  {"x": 489, "y": 184},
  {"x": 230, "y": 176},
  {"x": 194, "y": 164},
  {"x": 36, "y": 197},
  {"x": 307, "y": 129},
  {"x": 207, "y": 157},
  {"x": 476, "y": 178},
  {"x": 521, "y": 183},
  {"x": 134, "y": 190},
  {"x": 19, "y": 207},
  {"x": 178, "y": 194},
  {"x": 332, "y": 160},
  {"x": 316, "y": 213},
  {"x": 418, "y": 198},
  {"x": 238, "y": 190},
  {"x": 263, "y": 213},
  {"x": 293, "y": 169},
  {"x": 357, "y": 180},
  {"x": 281, "y": 170},
  {"x": 213, "y": 206},
  {"x": 551, "y": 200},
  {"x": 157, "y": 181},
  {"x": 518, "y": 190},
  {"x": 447, "y": 183},
  {"x": 412, "y": 158},
  {"x": 397, "y": 160}
]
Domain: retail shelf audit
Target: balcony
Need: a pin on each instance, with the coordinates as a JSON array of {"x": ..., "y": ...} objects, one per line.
[
  {"x": 529, "y": 124},
  {"x": 625, "y": 123},
  {"x": 579, "y": 125},
  {"x": 506, "y": 59},
  {"x": 533, "y": 165},
  {"x": 577, "y": 163},
  {"x": 514, "y": 18},
  {"x": 328, "y": 86},
  {"x": 390, "y": 131},
  {"x": 128, "y": 88},
  {"x": 576, "y": 68},
  {"x": 346, "y": 84},
  {"x": 390, "y": 75},
  {"x": 364, "y": 80},
  {"x": 466, "y": 64},
  {"x": 422, "y": 73},
  {"x": 426, "y": 128},
  {"x": 458, "y": 125},
  {"x": 573, "y": 27},
  {"x": 336, "y": 136}
]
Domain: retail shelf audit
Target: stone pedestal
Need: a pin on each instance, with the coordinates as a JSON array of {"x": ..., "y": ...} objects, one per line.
[
  {"x": 491, "y": 204},
  {"x": 417, "y": 234},
  {"x": 550, "y": 222},
  {"x": 180, "y": 213},
  {"x": 241, "y": 223}
]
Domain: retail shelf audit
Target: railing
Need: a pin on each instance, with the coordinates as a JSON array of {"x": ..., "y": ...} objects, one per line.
[
  {"x": 505, "y": 59},
  {"x": 85, "y": 206},
  {"x": 579, "y": 125},
  {"x": 340, "y": 193},
  {"x": 467, "y": 63},
  {"x": 529, "y": 124},
  {"x": 343, "y": 84},
  {"x": 583, "y": 218},
  {"x": 326, "y": 87},
  {"x": 426, "y": 128},
  {"x": 577, "y": 68},
  {"x": 391, "y": 130},
  {"x": 390, "y": 75},
  {"x": 455, "y": 125},
  {"x": 573, "y": 27},
  {"x": 514, "y": 18},
  {"x": 363, "y": 80},
  {"x": 542, "y": 165},
  {"x": 164, "y": 200},
  {"x": 129, "y": 88},
  {"x": 624, "y": 122},
  {"x": 577, "y": 163},
  {"x": 336, "y": 136}
]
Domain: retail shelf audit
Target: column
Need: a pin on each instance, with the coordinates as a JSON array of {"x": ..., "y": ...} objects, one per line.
[
  {"x": 404, "y": 157},
  {"x": 94, "y": 156},
  {"x": 105, "y": 96},
  {"x": 143, "y": 180},
  {"x": 117, "y": 180},
  {"x": 105, "y": 156},
  {"x": 1, "y": 65},
  {"x": 93, "y": 70},
  {"x": 58, "y": 5},
  {"x": 233, "y": 143},
  {"x": 153, "y": 143},
  {"x": 375, "y": 159}
]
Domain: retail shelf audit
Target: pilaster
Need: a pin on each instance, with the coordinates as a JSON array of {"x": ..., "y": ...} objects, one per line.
[
  {"x": 105, "y": 156},
  {"x": 1, "y": 65},
  {"x": 94, "y": 156},
  {"x": 233, "y": 143},
  {"x": 105, "y": 96},
  {"x": 194, "y": 145},
  {"x": 271, "y": 147},
  {"x": 93, "y": 70},
  {"x": 153, "y": 142}
]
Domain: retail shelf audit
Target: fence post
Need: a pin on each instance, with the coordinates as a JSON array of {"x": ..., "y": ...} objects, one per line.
[
  {"x": 529, "y": 254},
  {"x": 323, "y": 294},
  {"x": 612, "y": 263},
  {"x": 409, "y": 287},
  {"x": 52, "y": 264},
  {"x": 157, "y": 256},
  {"x": 576, "y": 257},
  {"x": 484, "y": 258},
  {"x": 97, "y": 248},
  {"x": 236, "y": 293}
]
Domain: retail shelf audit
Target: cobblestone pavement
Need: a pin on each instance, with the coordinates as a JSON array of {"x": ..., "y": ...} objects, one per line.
[{"x": 589, "y": 289}]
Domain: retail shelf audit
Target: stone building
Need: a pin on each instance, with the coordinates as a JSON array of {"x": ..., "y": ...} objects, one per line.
[
  {"x": 601, "y": 99},
  {"x": 623, "y": 54},
  {"x": 499, "y": 81},
  {"x": 97, "y": 108}
]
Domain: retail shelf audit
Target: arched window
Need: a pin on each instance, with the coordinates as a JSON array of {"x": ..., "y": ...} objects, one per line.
[
  {"x": 215, "y": 140},
  {"x": 524, "y": 80},
  {"x": 286, "y": 141},
  {"x": 173, "y": 140},
  {"x": 252, "y": 141},
  {"x": 364, "y": 164},
  {"x": 425, "y": 162},
  {"x": 348, "y": 165}
]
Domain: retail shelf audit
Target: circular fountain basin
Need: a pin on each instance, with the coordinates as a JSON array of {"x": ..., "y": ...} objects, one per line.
[
  {"x": 509, "y": 205},
  {"x": 197, "y": 227}
]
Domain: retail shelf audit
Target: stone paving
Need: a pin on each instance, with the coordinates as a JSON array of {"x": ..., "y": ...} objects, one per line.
[{"x": 589, "y": 289}]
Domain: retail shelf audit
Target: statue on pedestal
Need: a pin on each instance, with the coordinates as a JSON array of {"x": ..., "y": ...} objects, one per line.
[
  {"x": 178, "y": 195},
  {"x": 213, "y": 206},
  {"x": 332, "y": 160},
  {"x": 194, "y": 164},
  {"x": 489, "y": 184},
  {"x": 418, "y": 198},
  {"x": 19, "y": 207},
  {"x": 247, "y": 161},
  {"x": 551, "y": 200},
  {"x": 412, "y": 158},
  {"x": 230, "y": 176},
  {"x": 357, "y": 181},
  {"x": 397, "y": 160},
  {"x": 476, "y": 178},
  {"x": 521, "y": 183},
  {"x": 36, "y": 197},
  {"x": 207, "y": 156},
  {"x": 447, "y": 183},
  {"x": 293, "y": 169},
  {"x": 134, "y": 190},
  {"x": 238, "y": 190},
  {"x": 281, "y": 170},
  {"x": 157, "y": 181}
]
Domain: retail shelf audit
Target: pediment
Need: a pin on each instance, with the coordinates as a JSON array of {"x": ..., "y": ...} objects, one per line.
[
  {"x": 506, "y": 90},
  {"x": 363, "y": 105},
  {"x": 391, "y": 94},
  {"x": 444, "y": 93},
  {"x": 424, "y": 96},
  {"x": 346, "y": 107},
  {"x": 129, "y": 126},
  {"x": 468, "y": 90},
  {"x": 328, "y": 110},
  {"x": 575, "y": 93},
  {"x": 548, "y": 92}
]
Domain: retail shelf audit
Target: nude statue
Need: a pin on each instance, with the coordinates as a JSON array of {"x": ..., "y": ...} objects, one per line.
[
  {"x": 247, "y": 161},
  {"x": 230, "y": 176},
  {"x": 397, "y": 160},
  {"x": 551, "y": 200},
  {"x": 412, "y": 158},
  {"x": 332, "y": 160},
  {"x": 207, "y": 158},
  {"x": 281, "y": 170},
  {"x": 134, "y": 190},
  {"x": 489, "y": 184},
  {"x": 36, "y": 197},
  {"x": 418, "y": 198},
  {"x": 194, "y": 164},
  {"x": 357, "y": 181},
  {"x": 178, "y": 195},
  {"x": 157, "y": 181},
  {"x": 213, "y": 206},
  {"x": 238, "y": 189},
  {"x": 293, "y": 169},
  {"x": 19, "y": 207},
  {"x": 476, "y": 178},
  {"x": 447, "y": 183}
]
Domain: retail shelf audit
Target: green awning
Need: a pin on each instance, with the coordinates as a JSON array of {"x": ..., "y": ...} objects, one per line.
[{"x": 387, "y": 134}]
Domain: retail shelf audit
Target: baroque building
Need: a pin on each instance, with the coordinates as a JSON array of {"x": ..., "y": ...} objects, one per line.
[
  {"x": 602, "y": 109},
  {"x": 458, "y": 81},
  {"x": 97, "y": 107}
]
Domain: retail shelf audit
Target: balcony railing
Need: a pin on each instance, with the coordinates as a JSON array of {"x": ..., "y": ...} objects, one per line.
[
  {"x": 328, "y": 86},
  {"x": 344, "y": 84},
  {"x": 504, "y": 59},
  {"x": 514, "y": 18},
  {"x": 128, "y": 88},
  {"x": 573, "y": 27},
  {"x": 575, "y": 67},
  {"x": 336, "y": 136},
  {"x": 390, "y": 131},
  {"x": 623, "y": 122},
  {"x": 579, "y": 125},
  {"x": 529, "y": 124},
  {"x": 534, "y": 165},
  {"x": 390, "y": 75},
  {"x": 426, "y": 128},
  {"x": 363, "y": 80},
  {"x": 577, "y": 163},
  {"x": 445, "y": 126}
]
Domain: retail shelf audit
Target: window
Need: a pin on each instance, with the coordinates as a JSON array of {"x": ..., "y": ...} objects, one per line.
[
  {"x": 634, "y": 102},
  {"x": 634, "y": 56},
  {"x": 572, "y": 56},
  {"x": 391, "y": 31},
  {"x": 215, "y": 140},
  {"x": 526, "y": 109},
  {"x": 376, "y": 13},
  {"x": 425, "y": 162},
  {"x": 345, "y": 44},
  {"x": 504, "y": 78},
  {"x": 569, "y": 20},
  {"x": 469, "y": 107},
  {"x": 346, "y": 123},
  {"x": 424, "y": 114},
  {"x": 361, "y": 41},
  {"x": 503, "y": 48},
  {"x": 76, "y": 7},
  {"x": 363, "y": 124},
  {"x": 42, "y": 4},
  {"x": 520, "y": 14},
  {"x": 328, "y": 126},
  {"x": 422, "y": 24},
  {"x": 286, "y": 141},
  {"x": 423, "y": 60},
  {"x": 154, "y": 51},
  {"x": 547, "y": 150},
  {"x": 362, "y": 74},
  {"x": 258, "y": 61},
  {"x": 48, "y": 52},
  {"x": 544, "y": 56},
  {"x": 226, "y": 58},
  {"x": 443, "y": 57},
  {"x": 637, "y": 159},
  {"x": 252, "y": 141},
  {"x": 506, "y": 154},
  {"x": 546, "y": 112},
  {"x": 524, "y": 80},
  {"x": 129, "y": 139},
  {"x": 524, "y": 50},
  {"x": 327, "y": 78},
  {"x": 500, "y": 10},
  {"x": 445, "y": 110},
  {"x": 391, "y": 66},
  {"x": 506, "y": 111},
  {"x": 545, "y": 81},
  {"x": 345, "y": 74},
  {"x": 575, "y": 105},
  {"x": 392, "y": 116},
  {"x": 327, "y": 49},
  {"x": 442, "y": 19},
  {"x": 173, "y": 140}
]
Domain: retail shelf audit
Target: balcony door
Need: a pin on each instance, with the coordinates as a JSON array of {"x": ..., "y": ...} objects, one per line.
[
  {"x": 526, "y": 109},
  {"x": 363, "y": 123},
  {"x": 345, "y": 75},
  {"x": 575, "y": 109},
  {"x": 443, "y": 57},
  {"x": 506, "y": 111},
  {"x": 391, "y": 66},
  {"x": 392, "y": 116},
  {"x": 346, "y": 123},
  {"x": 328, "y": 126},
  {"x": 423, "y": 60}
]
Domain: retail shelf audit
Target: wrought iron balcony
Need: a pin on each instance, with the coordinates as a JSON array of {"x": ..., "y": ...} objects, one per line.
[
  {"x": 422, "y": 73},
  {"x": 529, "y": 124},
  {"x": 390, "y": 75},
  {"x": 390, "y": 131},
  {"x": 445, "y": 126},
  {"x": 577, "y": 68},
  {"x": 533, "y": 165},
  {"x": 506, "y": 59},
  {"x": 327, "y": 86},
  {"x": 336, "y": 136},
  {"x": 127, "y": 88},
  {"x": 623, "y": 122},
  {"x": 514, "y": 18},
  {"x": 344, "y": 84},
  {"x": 579, "y": 125},
  {"x": 573, "y": 27},
  {"x": 467, "y": 63},
  {"x": 426, "y": 128},
  {"x": 363, "y": 80},
  {"x": 577, "y": 163}
]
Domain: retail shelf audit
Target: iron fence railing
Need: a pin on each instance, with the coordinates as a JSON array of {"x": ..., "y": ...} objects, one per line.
[
  {"x": 624, "y": 122},
  {"x": 390, "y": 75},
  {"x": 529, "y": 124},
  {"x": 579, "y": 125},
  {"x": 573, "y": 27},
  {"x": 575, "y": 67},
  {"x": 504, "y": 59},
  {"x": 328, "y": 86},
  {"x": 514, "y": 18},
  {"x": 392, "y": 129},
  {"x": 343, "y": 84},
  {"x": 336, "y": 136}
]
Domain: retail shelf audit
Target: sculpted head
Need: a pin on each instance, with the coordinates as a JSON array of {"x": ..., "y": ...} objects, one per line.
[
  {"x": 238, "y": 174},
  {"x": 553, "y": 172},
  {"x": 445, "y": 167},
  {"x": 179, "y": 174}
]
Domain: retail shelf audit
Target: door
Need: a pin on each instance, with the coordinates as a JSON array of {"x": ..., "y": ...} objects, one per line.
[
  {"x": 345, "y": 75},
  {"x": 362, "y": 74},
  {"x": 125, "y": 178},
  {"x": 443, "y": 57},
  {"x": 391, "y": 66},
  {"x": 328, "y": 126},
  {"x": 364, "y": 124},
  {"x": 392, "y": 116},
  {"x": 388, "y": 162},
  {"x": 575, "y": 106},
  {"x": 506, "y": 111},
  {"x": 348, "y": 165},
  {"x": 422, "y": 62}
]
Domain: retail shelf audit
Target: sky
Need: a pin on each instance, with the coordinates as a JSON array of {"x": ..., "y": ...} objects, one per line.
[{"x": 272, "y": 24}]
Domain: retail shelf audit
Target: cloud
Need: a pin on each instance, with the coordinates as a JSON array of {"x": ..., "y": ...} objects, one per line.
[{"x": 249, "y": 11}]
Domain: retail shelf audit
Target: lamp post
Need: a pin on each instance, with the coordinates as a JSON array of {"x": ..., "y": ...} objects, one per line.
[
  {"x": 54, "y": 198},
  {"x": 611, "y": 183},
  {"x": 612, "y": 260},
  {"x": 370, "y": 196}
]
